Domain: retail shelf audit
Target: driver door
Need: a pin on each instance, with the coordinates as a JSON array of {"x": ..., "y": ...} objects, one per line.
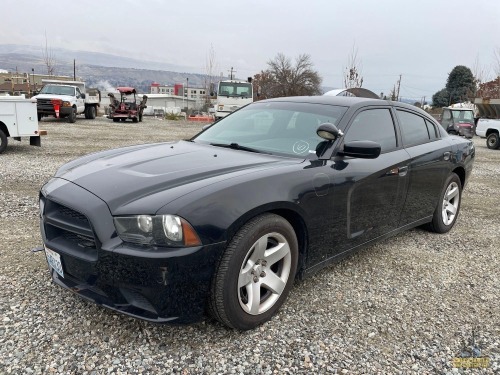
[{"x": 80, "y": 101}]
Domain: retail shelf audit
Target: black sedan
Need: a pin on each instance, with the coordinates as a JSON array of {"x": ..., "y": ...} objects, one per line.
[{"x": 224, "y": 222}]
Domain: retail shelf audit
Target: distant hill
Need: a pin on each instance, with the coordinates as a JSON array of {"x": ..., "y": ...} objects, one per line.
[
  {"x": 97, "y": 69},
  {"x": 101, "y": 70}
]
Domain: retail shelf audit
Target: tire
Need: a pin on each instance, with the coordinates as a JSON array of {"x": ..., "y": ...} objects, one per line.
[
  {"x": 72, "y": 116},
  {"x": 86, "y": 113},
  {"x": 493, "y": 141},
  {"x": 116, "y": 119},
  {"x": 242, "y": 296},
  {"x": 3, "y": 141},
  {"x": 447, "y": 210},
  {"x": 452, "y": 132},
  {"x": 123, "y": 119},
  {"x": 39, "y": 116},
  {"x": 92, "y": 112},
  {"x": 135, "y": 119}
]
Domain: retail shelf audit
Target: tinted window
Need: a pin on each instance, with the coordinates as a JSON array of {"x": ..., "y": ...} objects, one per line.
[
  {"x": 431, "y": 129},
  {"x": 413, "y": 128},
  {"x": 373, "y": 125}
]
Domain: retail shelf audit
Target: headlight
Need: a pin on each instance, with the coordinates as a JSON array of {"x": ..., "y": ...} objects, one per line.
[
  {"x": 66, "y": 104},
  {"x": 159, "y": 230}
]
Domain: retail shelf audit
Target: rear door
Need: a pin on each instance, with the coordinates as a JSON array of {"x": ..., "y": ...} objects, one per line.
[{"x": 428, "y": 167}]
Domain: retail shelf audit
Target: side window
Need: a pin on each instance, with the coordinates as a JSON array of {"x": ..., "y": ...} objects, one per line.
[
  {"x": 431, "y": 129},
  {"x": 413, "y": 128},
  {"x": 78, "y": 93},
  {"x": 373, "y": 125}
]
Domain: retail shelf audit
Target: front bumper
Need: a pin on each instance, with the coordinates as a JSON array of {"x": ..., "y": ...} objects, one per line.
[
  {"x": 155, "y": 284},
  {"x": 45, "y": 107}
]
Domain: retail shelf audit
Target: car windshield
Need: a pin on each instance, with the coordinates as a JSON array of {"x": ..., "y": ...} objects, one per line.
[
  {"x": 463, "y": 116},
  {"x": 281, "y": 128},
  {"x": 58, "y": 90}
]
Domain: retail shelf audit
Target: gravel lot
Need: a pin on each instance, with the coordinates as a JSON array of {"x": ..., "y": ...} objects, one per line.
[{"x": 403, "y": 306}]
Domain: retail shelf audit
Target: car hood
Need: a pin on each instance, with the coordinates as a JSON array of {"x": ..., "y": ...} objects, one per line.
[
  {"x": 67, "y": 98},
  {"x": 142, "y": 179}
]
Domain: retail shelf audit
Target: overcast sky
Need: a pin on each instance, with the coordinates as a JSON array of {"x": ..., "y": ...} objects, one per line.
[{"x": 422, "y": 40}]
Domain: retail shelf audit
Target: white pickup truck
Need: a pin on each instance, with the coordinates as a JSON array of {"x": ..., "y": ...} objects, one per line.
[
  {"x": 18, "y": 118},
  {"x": 488, "y": 125},
  {"x": 67, "y": 99}
]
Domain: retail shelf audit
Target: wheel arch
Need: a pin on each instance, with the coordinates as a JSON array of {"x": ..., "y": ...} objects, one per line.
[
  {"x": 460, "y": 172},
  {"x": 3, "y": 128},
  {"x": 491, "y": 131},
  {"x": 287, "y": 211}
]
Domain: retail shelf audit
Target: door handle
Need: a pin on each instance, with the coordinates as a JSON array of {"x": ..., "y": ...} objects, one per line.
[{"x": 401, "y": 171}]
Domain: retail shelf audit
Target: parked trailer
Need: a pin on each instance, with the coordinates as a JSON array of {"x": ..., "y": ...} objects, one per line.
[{"x": 18, "y": 118}]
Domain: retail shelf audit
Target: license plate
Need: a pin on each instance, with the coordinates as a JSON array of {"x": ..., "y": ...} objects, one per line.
[{"x": 54, "y": 260}]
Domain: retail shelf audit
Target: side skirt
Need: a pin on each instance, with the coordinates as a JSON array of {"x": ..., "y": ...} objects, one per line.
[{"x": 338, "y": 257}]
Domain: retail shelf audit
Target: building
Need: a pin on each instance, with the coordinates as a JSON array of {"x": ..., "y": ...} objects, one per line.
[{"x": 196, "y": 94}]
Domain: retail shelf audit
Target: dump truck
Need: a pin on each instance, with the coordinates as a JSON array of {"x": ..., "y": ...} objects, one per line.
[
  {"x": 488, "y": 109},
  {"x": 67, "y": 99}
]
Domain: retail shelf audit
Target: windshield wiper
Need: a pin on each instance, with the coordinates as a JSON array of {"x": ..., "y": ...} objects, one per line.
[{"x": 236, "y": 146}]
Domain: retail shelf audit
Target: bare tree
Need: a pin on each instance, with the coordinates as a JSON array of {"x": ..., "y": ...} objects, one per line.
[
  {"x": 496, "y": 61},
  {"x": 353, "y": 71},
  {"x": 48, "y": 58},
  {"x": 480, "y": 73},
  {"x": 283, "y": 78},
  {"x": 211, "y": 69}
]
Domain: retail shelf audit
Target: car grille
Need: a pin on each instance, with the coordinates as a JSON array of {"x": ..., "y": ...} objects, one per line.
[
  {"x": 45, "y": 105},
  {"x": 68, "y": 228}
]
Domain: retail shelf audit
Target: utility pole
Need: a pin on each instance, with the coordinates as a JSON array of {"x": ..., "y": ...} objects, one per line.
[
  {"x": 74, "y": 70},
  {"x": 231, "y": 73}
]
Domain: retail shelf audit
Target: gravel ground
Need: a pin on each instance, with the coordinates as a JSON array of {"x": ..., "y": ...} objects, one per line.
[{"x": 403, "y": 306}]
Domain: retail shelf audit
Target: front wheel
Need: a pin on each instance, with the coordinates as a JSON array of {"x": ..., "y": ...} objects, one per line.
[
  {"x": 446, "y": 213},
  {"x": 256, "y": 273},
  {"x": 72, "y": 116},
  {"x": 493, "y": 141}
]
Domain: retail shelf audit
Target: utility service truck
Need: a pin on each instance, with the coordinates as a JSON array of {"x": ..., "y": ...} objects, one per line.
[
  {"x": 231, "y": 95},
  {"x": 67, "y": 99},
  {"x": 18, "y": 118}
]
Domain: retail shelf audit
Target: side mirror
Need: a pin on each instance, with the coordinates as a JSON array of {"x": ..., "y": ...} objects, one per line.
[
  {"x": 361, "y": 149},
  {"x": 212, "y": 93},
  {"x": 329, "y": 132},
  {"x": 83, "y": 96}
]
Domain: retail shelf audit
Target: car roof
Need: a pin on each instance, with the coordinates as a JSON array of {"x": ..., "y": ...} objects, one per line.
[{"x": 346, "y": 101}]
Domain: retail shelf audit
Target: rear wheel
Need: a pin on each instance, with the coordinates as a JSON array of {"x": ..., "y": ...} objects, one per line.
[
  {"x": 116, "y": 119},
  {"x": 135, "y": 119},
  {"x": 72, "y": 116},
  {"x": 493, "y": 141},
  {"x": 3, "y": 141},
  {"x": 39, "y": 117},
  {"x": 256, "y": 273},
  {"x": 92, "y": 112},
  {"x": 448, "y": 208}
]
